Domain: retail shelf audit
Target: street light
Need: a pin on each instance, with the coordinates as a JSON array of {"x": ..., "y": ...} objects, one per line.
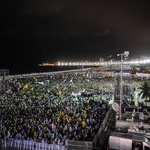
[{"x": 124, "y": 55}]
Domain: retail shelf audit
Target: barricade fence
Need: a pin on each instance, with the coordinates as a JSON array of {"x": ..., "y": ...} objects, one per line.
[
  {"x": 80, "y": 145},
  {"x": 31, "y": 145}
]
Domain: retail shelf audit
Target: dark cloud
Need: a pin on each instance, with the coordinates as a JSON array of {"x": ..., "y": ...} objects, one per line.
[{"x": 73, "y": 29}]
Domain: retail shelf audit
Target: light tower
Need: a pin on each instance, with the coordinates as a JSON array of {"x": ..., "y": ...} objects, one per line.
[{"x": 124, "y": 55}]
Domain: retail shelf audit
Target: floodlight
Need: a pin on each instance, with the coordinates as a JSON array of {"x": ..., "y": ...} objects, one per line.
[{"x": 126, "y": 53}]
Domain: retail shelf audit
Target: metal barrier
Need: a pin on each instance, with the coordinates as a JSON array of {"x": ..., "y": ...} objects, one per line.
[
  {"x": 80, "y": 145},
  {"x": 31, "y": 145},
  {"x": 26, "y": 145}
]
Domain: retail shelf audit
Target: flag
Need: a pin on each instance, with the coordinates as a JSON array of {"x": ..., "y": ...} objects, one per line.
[
  {"x": 53, "y": 125},
  {"x": 25, "y": 86}
]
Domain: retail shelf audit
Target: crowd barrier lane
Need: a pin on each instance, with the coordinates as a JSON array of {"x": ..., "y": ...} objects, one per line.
[{"x": 30, "y": 145}]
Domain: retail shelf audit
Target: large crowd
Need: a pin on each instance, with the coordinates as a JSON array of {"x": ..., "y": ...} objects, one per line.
[{"x": 56, "y": 108}]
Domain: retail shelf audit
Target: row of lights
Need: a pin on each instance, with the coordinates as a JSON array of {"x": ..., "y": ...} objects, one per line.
[{"x": 102, "y": 63}]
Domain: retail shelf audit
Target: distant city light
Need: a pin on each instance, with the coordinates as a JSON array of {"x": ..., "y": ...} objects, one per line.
[{"x": 98, "y": 63}]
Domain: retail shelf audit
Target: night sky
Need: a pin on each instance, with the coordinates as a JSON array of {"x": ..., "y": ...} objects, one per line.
[{"x": 38, "y": 31}]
